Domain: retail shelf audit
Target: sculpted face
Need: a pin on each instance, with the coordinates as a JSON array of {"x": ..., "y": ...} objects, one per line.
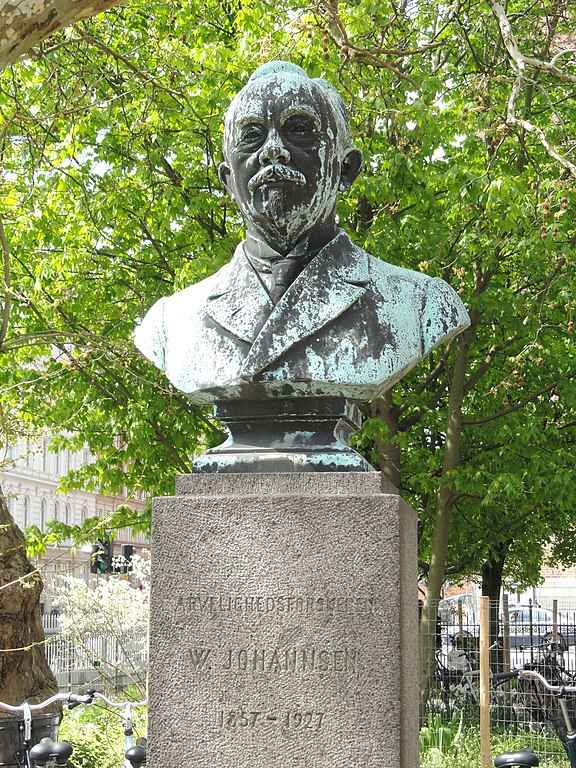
[{"x": 284, "y": 159}]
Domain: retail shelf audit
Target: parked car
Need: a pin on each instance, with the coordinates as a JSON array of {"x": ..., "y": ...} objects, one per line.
[
  {"x": 448, "y": 608},
  {"x": 528, "y": 626},
  {"x": 531, "y": 626}
]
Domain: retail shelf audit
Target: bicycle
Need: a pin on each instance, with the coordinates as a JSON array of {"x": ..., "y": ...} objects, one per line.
[
  {"x": 134, "y": 752},
  {"x": 554, "y": 707},
  {"x": 549, "y": 661},
  {"x": 48, "y": 752},
  {"x": 457, "y": 683},
  {"x": 534, "y": 701},
  {"x": 27, "y": 754}
]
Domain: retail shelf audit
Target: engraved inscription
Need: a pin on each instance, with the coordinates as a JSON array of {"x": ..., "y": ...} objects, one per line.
[
  {"x": 303, "y": 720},
  {"x": 200, "y": 658},
  {"x": 275, "y": 660},
  {"x": 290, "y": 660},
  {"x": 289, "y": 720},
  {"x": 323, "y": 605}
]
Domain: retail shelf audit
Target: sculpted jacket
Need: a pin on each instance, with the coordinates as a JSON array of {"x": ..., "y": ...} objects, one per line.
[{"x": 350, "y": 325}]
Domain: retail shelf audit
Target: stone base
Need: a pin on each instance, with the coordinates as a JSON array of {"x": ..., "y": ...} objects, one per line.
[{"x": 283, "y": 624}]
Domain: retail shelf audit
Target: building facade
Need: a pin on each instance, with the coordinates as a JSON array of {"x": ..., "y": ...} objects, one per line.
[{"x": 30, "y": 475}]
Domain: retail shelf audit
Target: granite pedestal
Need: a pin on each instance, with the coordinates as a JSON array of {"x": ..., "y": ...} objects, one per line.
[{"x": 283, "y": 623}]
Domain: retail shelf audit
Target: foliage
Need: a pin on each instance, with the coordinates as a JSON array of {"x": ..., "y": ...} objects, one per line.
[
  {"x": 115, "y": 609},
  {"x": 96, "y": 735},
  {"x": 91, "y": 529},
  {"x": 438, "y": 739},
  {"x": 109, "y": 147},
  {"x": 467, "y": 753}
]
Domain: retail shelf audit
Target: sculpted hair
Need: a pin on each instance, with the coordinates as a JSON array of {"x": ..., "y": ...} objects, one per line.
[{"x": 293, "y": 75}]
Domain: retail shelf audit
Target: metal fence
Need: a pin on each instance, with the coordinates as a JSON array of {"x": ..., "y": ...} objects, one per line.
[
  {"x": 95, "y": 660},
  {"x": 516, "y": 713}
]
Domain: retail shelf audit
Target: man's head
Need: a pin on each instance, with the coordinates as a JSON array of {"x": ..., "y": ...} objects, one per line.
[{"x": 287, "y": 152}]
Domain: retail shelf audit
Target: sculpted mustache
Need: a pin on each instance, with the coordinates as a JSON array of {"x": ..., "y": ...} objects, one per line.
[{"x": 276, "y": 173}]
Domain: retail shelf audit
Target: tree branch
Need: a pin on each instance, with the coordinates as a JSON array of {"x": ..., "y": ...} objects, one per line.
[
  {"x": 24, "y": 25},
  {"x": 520, "y": 62},
  {"x": 513, "y": 408},
  {"x": 5, "y": 282}
]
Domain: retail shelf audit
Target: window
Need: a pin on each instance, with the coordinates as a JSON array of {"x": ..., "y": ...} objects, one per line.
[
  {"x": 57, "y": 510},
  {"x": 43, "y": 514},
  {"x": 542, "y": 617},
  {"x": 67, "y": 513},
  {"x": 84, "y": 512},
  {"x": 26, "y": 511}
]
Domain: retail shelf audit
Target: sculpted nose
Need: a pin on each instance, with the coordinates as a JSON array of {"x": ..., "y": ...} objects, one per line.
[{"x": 273, "y": 151}]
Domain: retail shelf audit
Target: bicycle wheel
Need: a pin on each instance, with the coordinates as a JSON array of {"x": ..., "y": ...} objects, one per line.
[
  {"x": 531, "y": 701},
  {"x": 439, "y": 695},
  {"x": 557, "y": 721},
  {"x": 552, "y": 668}
]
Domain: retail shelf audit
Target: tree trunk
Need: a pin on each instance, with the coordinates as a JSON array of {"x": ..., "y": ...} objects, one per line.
[
  {"x": 24, "y": 670},
  {"x": 492, "y": 571},
  {"x": 443, "y": 513},
  {"x": 388, "y": 453},
  {"x": 25, "y": 24}
]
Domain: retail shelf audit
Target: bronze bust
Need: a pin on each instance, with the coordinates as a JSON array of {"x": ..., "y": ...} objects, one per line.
[{"x": 300, "y": 312}]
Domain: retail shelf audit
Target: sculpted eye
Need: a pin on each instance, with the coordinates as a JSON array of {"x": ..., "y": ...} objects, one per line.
[
  {"x": 300, "y": 128},
  {"x": 252, "y": 134}
]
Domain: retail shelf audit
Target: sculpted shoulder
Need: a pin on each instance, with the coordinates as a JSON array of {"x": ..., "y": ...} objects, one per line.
[
  {"x": 194, "y": 296},
  {"x": 177, "y": 314},
  {"x": 384, "y": 271},
  {"x": 440, "y": 310}
]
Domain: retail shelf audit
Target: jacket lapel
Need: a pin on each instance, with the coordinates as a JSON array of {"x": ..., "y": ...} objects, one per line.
[
  {"x": 239, "y": 303},
  {"x": 333, "y": 281}
]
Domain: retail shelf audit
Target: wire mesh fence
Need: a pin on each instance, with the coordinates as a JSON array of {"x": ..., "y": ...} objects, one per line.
[
  {"x": 96, "y": 660},
  {"x": 517, "y": 712}
]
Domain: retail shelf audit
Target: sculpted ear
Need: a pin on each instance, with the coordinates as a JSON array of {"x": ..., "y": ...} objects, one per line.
[
  {"x": 224, "y": 176},
  {"x": 350, "y": 168}
]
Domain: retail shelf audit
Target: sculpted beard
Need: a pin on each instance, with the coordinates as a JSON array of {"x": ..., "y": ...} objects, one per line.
[
  {"x": 274, "y": 197},
  {"x": 276, "y": 206}
]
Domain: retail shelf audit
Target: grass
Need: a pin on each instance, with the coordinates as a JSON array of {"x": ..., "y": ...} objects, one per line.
[{"x": 455, "y": 745}]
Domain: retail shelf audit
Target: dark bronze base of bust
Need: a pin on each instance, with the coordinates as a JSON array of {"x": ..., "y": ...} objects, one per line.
[{"x": 291, "y": 435}]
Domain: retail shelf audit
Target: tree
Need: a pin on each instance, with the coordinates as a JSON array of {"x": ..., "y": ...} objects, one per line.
[
  {"x": 22, "y": 26},
  {"x": 115, "y": 609},
  {"x": 24, "y": 671},
  {"x": 109, "y": 153}
]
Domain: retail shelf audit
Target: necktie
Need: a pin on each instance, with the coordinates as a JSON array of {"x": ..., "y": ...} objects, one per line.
[{"x": 283, "y": 269}]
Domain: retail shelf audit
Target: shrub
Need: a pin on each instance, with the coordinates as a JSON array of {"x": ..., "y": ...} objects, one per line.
[{"x": 97, "y": 735}]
